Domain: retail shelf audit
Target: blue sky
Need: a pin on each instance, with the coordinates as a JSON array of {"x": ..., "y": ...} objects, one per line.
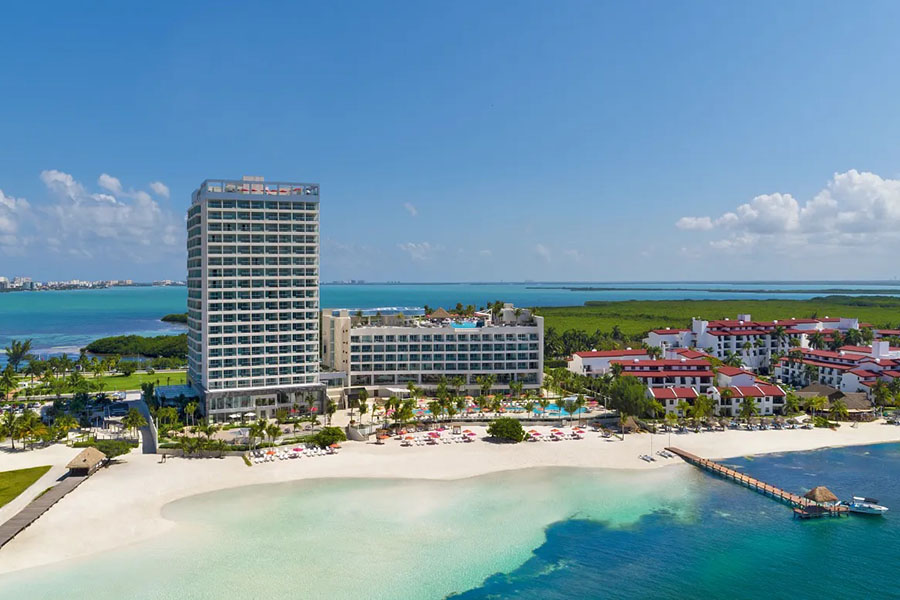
[{"x": 463, "y": 141}]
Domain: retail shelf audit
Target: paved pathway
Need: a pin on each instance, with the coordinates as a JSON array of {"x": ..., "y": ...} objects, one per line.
[{"x": 36, "y": 508}]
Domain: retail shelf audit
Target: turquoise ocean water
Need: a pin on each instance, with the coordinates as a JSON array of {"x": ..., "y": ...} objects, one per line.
[
  {"x": 534, "y": 534},
  {"x": 65, "y": 321}
]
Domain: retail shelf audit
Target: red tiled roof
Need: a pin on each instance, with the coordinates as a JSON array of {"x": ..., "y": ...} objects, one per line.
[
  {"x": 611, "y": 353},
  {"x": 664, "y": 362},
  {"x": 644, "y": 374},
  {"x": 861, "y": 349},
  {"x": 863, "y": 373},
  {"x": 668, "y": 331},
  {"x": 732, "y": 371},
  {"x": 689, "y": 353},
  {"x": 821, "y": 363},
  {"x": 754, "y": 391},
  {"x": 673, "y": 393}
]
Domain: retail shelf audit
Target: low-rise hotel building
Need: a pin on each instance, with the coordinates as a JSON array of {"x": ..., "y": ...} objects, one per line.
[
  {"x": 384, "y": 353},
  {"x": 753, "y": 341},
  {"x": 697, "y": 374}
]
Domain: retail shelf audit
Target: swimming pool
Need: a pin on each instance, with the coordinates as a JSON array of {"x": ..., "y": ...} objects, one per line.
[{"x": 465, "y": 325}]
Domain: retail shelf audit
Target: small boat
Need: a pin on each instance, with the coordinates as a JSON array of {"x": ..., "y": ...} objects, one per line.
[{"x": 867, "y": 506}]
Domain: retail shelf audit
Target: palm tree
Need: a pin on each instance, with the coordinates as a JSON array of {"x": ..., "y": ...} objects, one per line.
[
  {"x": 17, "y": 352},
  {"x": 134, "y": 420},
  {"x": 704, "y": 407},
  {"x": 485, "y": 383},
  {"x": 791, "y": 404},
  {"x": 34, "y": 368},
  {"x": 362, "y": 399},
  {"x": 817, "y": 340},
  {"x": 543, "y": 403},
  {"x": 330, "y": 409},
  {"x": 257, "y": 430},
  {"x": 839, "y": 411},
  {"x": 579, "y": 404},
  {"x": 190, "y": 410},
  {"x": 615, "y": 369},
  {"x": 8, "y": 381},
  {"x": 816, "y": 403},
  {"x": 732, "y": 359},
  {"x": 683, "y": 408},
  {"x": 64, "y": 423},
  {"x": 853, "y": 337},
  {"x": 10, "y": 427},
  {"x": 748, "y": 409},
  {"x": 272, "y": 432}
]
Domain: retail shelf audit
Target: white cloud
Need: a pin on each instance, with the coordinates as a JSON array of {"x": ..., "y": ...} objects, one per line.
[
  {"x": 698, "y": 223},
  {"x": 12, "y": 212},
  {"x": 543, "y": 252},
  {"x": 853, "y": 207},
  {"x": 418, "y": 250},
  {"x": 110, "y": 183},
  {"x": 411, "y": 209},
  {"x": 160, "y": 189},
  {"x": 485, "y": 253},
  {"x": 129, "y": 224}
]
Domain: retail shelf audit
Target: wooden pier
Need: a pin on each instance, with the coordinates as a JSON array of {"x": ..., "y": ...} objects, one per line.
[{"x": 803, "y": 507}]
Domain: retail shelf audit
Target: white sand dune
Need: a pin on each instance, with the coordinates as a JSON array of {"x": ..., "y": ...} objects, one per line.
[{"x": 122, "y": 504}]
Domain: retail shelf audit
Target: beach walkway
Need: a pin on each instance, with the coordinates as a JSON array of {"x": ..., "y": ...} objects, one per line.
[
  {"x": 803, "y": 507},
  {"x": 37, "y": 507}
]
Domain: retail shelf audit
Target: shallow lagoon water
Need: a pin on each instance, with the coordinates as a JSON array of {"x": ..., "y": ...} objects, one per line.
[{"x": 536, "y": 533}]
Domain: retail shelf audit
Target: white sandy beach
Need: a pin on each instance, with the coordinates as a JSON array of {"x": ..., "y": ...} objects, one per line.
[{"x": 122, "y": 504}]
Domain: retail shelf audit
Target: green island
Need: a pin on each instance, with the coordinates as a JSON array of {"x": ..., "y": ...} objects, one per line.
[
  {"x": 160, "y": 346},
  {"x": 175, "y": 318},
  {"x": 13, "y": 483}
]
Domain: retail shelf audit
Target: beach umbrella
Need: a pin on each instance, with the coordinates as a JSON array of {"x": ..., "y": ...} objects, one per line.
[
  {"x": 298, "y": 449},
  {"x": 270, "y": 452},
  {"x": 409, "y": 437},
  {"x": 334, "y": 445},
  {"x": 471, "y": 434}
]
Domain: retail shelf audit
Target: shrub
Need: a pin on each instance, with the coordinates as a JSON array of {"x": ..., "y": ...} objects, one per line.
[
  {"x": 506, "y": 428},
  {"x": 111, "y": 448},
  {"x": 329, "y": 436}
]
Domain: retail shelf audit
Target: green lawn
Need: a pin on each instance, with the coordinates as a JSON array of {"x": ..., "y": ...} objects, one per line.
[
  {"x": 13, "y": 483},
  {"x": 638, "y": 316},
  {"x": 115, "y": 383}
]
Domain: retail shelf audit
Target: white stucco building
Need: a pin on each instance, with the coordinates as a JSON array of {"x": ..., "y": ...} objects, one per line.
[{"x": 384, "y": 353}]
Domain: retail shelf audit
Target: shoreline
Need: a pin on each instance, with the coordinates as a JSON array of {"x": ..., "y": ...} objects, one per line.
[{"x": 123, "y": 504}]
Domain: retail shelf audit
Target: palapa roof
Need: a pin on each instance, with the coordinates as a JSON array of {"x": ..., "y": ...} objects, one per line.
[
  {"x": 440, "y": 313},
  {"x": 818, "y": 389},
  {"x": 87, "y": 459},
  {"x": 820, "y": 494}
]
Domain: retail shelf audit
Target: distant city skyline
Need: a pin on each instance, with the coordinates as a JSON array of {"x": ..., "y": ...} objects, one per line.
[{"x": 591, "y": 142}]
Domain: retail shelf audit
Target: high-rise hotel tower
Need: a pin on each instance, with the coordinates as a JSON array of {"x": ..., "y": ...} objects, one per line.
[{"x": 253, "y": 296}]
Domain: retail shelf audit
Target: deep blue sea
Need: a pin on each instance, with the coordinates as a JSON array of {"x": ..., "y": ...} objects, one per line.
[
  {"x": 64, "y": 321},
  {"x": 733, "y": 543}
]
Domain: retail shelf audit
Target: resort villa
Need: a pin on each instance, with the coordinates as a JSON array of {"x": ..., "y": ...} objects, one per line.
[
  {"x": 849, "y": 369},
  {"x": 384, "y": 353},
  {"x": 253, "y": 296},
  {"x": 753, "y": 341}
]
